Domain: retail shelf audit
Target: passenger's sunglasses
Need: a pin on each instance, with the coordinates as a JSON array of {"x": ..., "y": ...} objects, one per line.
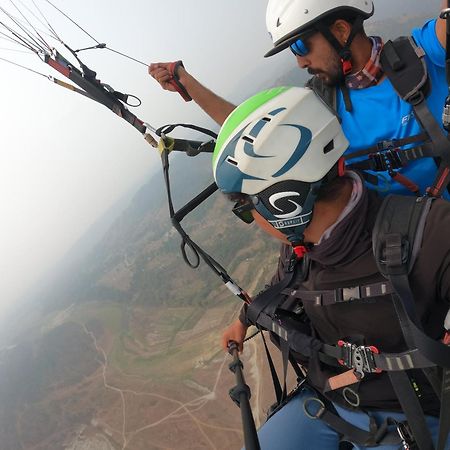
[
  {"x": 300, "y": 47},
  {"x": 244, "y": 211}
]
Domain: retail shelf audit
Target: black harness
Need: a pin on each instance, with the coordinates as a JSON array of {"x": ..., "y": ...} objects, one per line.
[{"x": 397, "y": 238}]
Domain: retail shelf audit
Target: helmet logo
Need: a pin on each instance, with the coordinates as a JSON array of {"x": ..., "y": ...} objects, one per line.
[
  {"x": 278, "y": 22},
  {"x": 281, "y": 195},
  {"x": 299, "y": 151}
]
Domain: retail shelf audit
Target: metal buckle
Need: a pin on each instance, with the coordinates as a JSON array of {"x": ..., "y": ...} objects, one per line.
[
  {"x": 351, "y": 293},
  {"x": 385, "y": 145},
  {"x": 405, "y": 435},
  {"x": 360, "y": 358},
  {"x": 320, "y": 410},
  {"x": 364, "y": 361}
]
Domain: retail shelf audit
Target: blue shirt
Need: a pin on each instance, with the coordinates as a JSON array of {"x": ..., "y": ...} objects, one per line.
[{"x": 380, "y": 114}]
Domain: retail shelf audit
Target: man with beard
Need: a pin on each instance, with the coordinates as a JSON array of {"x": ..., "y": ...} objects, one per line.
[{"x": 328, "y": 39}]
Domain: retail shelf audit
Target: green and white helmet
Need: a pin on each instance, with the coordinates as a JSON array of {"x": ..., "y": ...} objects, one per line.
[
  {"x": 278, "y": 147},
  {"x": 286, "y": 20}
]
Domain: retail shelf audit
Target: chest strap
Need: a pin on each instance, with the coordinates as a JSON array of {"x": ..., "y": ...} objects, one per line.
[
  {"x": 364, "y": 359},
  {"x": 339, "y": 295}
]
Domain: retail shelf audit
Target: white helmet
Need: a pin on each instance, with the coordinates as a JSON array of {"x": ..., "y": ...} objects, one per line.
[
  {"x": 286, "y": 20},
  {"x": 278, "y": 147}
]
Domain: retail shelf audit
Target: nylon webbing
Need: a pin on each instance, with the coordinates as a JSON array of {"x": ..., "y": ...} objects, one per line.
[
  {"x": 329, "y": 297},
  {"x": 412, "y": 409},
  {"x": 275, "y": 380},
  {"x": 387, "y": 145},
  {"x": 262, "y": 301},
  {"x": 444, "y": 417}
]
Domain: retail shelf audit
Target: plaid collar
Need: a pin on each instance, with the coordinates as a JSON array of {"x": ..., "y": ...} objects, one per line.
[{"x": 371, "y": 73}]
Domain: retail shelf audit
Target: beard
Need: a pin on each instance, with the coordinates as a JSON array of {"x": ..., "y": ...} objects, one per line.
[{"x": 332, "y": 75}]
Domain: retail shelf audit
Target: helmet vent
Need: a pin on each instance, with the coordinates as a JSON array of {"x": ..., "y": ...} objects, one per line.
[
  {"x": 232, "y": 161},
  {"x": 266, "y": 119},
  {"x": 248, "y": 139},
  {"x": 328, "y": 147}
]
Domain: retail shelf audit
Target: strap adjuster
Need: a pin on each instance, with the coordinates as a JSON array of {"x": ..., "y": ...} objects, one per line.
[{"x": 360, "y": 358}]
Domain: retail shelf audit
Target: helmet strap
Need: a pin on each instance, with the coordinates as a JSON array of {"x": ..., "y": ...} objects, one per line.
[
  {"x": 343, "y": 51},
  {"x": 294, "y": 233}
]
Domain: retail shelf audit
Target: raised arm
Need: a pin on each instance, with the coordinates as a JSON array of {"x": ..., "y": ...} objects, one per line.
[{"x": 216, "y": 107}]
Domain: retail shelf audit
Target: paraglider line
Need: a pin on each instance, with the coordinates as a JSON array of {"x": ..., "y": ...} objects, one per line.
[
  {"x": 67, "y": 17},
  {"x": 43, "y": 41}
]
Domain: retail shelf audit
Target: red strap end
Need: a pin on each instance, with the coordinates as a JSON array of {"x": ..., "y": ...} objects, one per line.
[
  {"x": 175, "y": 81},
  {"x": 346, "y": 66}
]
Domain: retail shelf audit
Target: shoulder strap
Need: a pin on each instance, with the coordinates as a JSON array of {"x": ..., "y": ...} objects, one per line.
[
  {"x": 403, "y": 62},
  {"x": 396, "y": 241},
  {"x": 400, "y": 222}
]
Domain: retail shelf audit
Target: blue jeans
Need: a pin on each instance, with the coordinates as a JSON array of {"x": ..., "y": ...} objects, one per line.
[{"x": 291, "y": 429}]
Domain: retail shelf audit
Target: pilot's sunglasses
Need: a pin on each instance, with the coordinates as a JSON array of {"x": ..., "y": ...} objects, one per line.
[
  {"x": 300, "y": 47},
  {"x": 244, "y": 211}
]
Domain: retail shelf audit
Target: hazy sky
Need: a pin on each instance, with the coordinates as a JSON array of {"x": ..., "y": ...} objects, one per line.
[{"x": 65, "y": 160}]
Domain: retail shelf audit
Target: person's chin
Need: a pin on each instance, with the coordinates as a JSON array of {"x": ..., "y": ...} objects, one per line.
[{"x": 324, "y": 77}]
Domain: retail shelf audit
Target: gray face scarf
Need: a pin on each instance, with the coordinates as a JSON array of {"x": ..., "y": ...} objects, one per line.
[{"x": 351, "y": 232}]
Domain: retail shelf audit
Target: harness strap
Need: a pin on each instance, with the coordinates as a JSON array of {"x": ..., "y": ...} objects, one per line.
[
  {"x": 412, "y": 409},
  {"x": 287, "y": 329},
  {"x": 441, "y": 148},
  {"x": 374, "y": 437},
  {"x": 388, "y": 145},
  {"x": 392, "y": 159},
  {"x": 371, "y": 361},
  {"x": 444, "y": 417},
  {"x": 273, "y": 372},
  {"x": 411, "y": 82},
  {"x": 329, "y": 297},
  {"x": 265, "y": 300}
]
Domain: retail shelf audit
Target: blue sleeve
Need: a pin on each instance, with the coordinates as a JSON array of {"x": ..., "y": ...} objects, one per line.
[{"x": 426, "y": 38}]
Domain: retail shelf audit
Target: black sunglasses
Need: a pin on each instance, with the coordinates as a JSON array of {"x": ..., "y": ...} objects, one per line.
[{"x": 244, "y": 211}]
